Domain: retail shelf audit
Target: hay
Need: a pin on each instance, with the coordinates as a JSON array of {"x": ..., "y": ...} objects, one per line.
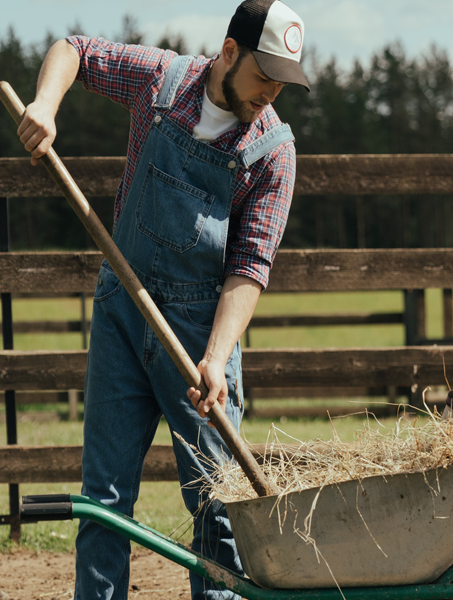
[{"x": 299, "y": 466}]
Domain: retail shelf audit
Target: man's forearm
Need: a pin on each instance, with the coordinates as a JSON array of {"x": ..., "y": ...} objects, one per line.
[
  {"x": 57, "y": 74},
  {"x": 37, "y": 130},
  {"x": 235, "y": 309}
]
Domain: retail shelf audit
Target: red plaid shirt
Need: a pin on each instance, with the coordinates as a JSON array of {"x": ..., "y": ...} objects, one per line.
[{"x": 133, "y": 76}]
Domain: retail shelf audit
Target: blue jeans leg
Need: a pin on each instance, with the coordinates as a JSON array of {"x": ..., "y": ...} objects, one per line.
[{"x": 121, "y": 417}]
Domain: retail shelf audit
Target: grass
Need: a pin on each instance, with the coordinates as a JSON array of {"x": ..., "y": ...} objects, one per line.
[
  {"x": 294, "y": 337},
  {"x": 171, "y": 515},
  {"x": 341, "y": 336},
  {"x": 49, "y": 309}
]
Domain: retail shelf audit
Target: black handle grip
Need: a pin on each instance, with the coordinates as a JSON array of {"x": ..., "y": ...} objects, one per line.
[
  {"x": 46, "y": 499},
  {"x": 55, "y": 507}
]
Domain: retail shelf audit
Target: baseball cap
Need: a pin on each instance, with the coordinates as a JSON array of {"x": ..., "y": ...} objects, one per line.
[{"x": 275, "y": 34}]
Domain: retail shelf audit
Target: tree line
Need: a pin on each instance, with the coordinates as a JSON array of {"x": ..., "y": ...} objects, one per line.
[{"x": 388, "y": 103}]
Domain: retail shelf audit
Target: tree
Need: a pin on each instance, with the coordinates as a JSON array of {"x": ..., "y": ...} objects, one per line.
[
  {"x": 130, "y": 33},
  {"x": 15, "y": 69},
  {"x": 175, "y": 43},
  {"x": 432, "y": 110}
]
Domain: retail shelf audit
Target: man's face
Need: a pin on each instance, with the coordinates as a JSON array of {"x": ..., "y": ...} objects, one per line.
[{"x": 247, "y": 90}]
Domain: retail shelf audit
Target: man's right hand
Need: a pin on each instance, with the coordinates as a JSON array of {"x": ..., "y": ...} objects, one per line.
[{"x": 37, "y": 130}]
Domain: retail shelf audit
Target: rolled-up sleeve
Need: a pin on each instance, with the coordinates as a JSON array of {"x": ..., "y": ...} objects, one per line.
[
  {"x": 259, "y": 229},
  {"x": 117, "y": 71}
]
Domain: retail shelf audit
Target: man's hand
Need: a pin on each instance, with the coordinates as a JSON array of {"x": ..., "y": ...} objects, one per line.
[
  {"x": 214, "y": 377},
  {"x": 37, "y": 131}
]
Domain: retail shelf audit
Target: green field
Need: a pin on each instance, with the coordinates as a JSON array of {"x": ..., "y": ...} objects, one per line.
[{"x": 49, "y": 425}]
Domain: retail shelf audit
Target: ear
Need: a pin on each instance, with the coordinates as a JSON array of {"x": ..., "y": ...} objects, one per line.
[{"x": 229, "y": 51}]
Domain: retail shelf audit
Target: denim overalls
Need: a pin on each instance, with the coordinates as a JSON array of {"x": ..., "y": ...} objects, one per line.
[{"x": 173, "y": 231}]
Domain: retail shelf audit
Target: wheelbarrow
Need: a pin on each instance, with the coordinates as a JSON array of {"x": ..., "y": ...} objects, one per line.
[{"x": 382, "y": 538}]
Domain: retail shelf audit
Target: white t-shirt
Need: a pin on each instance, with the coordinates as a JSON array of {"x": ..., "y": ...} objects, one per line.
[{"x": 214, "y": 121}]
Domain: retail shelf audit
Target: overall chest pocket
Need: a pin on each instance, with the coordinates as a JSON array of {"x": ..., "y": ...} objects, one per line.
[{"x": 171, "y": 212}]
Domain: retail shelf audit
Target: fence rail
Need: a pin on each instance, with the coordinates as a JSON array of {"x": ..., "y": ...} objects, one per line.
[
  {"x": 293, "y": 271},
  {"x": 57, "y": 464},
  {"x": 283, "y": 368},
  {"x": 344, "y": 174}
]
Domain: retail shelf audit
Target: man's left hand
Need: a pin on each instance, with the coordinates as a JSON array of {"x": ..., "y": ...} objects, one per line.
[{"x": 213, "y": 374}]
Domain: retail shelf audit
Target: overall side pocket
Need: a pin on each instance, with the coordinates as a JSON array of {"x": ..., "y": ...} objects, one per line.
[{"x": 107, "y": 285}]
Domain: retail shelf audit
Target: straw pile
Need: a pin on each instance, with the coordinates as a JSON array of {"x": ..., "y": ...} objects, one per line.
[{"x": 408, "y": 447}]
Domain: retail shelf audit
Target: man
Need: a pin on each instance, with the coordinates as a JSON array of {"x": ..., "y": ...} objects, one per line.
[{"x": 199, "y": 214}]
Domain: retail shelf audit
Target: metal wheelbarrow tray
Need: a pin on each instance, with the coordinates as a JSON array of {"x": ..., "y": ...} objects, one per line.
[
  {"x": 396, "y": 530},
  {"x": 408, "y": 515}
]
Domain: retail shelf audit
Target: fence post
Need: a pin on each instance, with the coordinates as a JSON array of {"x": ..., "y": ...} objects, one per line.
[
  {"x": 361, "y": 221},
  {"x": 83, "y": 320},
  {"x": 73, "y": 395},
  {"x": 414, "y": 316},
  {"x": 13, "y": 519},
  {"x": 73, "y": 400},
  {"x": 447, "y": 298},
  {"x": 414, "y": 323}
]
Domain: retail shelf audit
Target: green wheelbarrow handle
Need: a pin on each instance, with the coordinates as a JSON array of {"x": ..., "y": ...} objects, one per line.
[{"x": 67, "y": 507}]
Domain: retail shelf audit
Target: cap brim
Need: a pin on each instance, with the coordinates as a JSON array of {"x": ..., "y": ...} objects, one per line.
[{"x": 280, "y": 69}]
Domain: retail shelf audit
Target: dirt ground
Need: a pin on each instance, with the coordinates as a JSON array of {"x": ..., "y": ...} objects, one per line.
[{"x": 47, "y": 576}]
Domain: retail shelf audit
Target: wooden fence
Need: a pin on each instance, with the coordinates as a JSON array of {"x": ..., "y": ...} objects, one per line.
[{"x": 294, "y": 271}]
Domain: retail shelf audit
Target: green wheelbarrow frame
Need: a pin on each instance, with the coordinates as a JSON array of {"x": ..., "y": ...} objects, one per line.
[{"x": 69, "y": 506}]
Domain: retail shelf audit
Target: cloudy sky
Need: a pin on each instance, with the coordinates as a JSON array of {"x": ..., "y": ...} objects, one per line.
[{"x": 346, "y": 29}]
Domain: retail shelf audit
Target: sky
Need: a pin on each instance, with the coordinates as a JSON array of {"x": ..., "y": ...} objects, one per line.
[{"x": 344, "y": 29}]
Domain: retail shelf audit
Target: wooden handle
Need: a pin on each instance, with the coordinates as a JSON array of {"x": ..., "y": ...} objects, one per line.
[{"x": 142, "y": 299}]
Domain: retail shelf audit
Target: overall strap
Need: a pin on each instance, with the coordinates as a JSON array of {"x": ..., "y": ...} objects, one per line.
[
  {"x": 265, "y": 144},
  {"x": 173, "y": 79}
]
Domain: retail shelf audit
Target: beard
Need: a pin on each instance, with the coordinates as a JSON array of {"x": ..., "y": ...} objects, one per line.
[{"x": 239, "y": 108}]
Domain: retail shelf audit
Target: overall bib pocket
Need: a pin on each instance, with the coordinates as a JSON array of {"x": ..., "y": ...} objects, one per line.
[{"x": 170, "y": 211}]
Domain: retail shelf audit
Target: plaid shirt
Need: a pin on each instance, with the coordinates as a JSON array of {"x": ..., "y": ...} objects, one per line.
[{"x": 133, "y": 76}]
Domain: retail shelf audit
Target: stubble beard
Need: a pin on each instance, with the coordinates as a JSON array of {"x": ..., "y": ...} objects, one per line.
[{"x": 237, "y": 106}]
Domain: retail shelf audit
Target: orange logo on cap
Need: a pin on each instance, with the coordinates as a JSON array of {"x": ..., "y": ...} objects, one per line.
[{"x": 293, "y": 38}]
